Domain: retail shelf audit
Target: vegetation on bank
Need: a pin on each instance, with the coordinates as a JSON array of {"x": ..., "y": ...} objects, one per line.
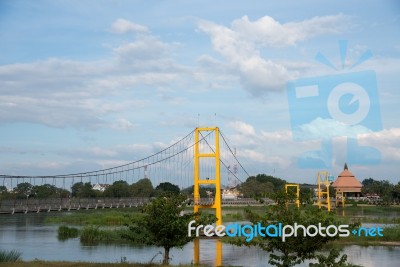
[
  {"x": 100, "y": 217},
  {"x": 84, "y": 264},
  {"x": 390, "y": 234},
  {"x": 9, "y": 256},
  {"x": 293, "y": 250}
]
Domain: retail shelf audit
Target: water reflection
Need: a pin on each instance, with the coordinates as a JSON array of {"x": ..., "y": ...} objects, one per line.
[{"x": 36, "y": 240}]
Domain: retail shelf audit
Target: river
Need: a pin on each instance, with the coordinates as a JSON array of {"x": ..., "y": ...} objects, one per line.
[{"x": 29, "y": 234}]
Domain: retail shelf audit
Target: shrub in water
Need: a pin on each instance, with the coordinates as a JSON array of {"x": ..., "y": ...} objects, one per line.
[
  {"x": 10, "y": 256},
  {"x": 65, "y": 232}
]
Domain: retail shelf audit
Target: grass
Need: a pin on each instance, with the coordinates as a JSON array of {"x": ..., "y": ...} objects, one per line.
[
  {"x": 100, "y": 217},
  {"x": 9, "y": 256},
  {"x": 93, "y": 235},
  {"x": 390, "y": 234},
  {"x": 65, "y": 232}
]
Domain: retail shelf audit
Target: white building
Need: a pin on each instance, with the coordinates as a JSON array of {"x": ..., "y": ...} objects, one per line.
[{"x": 100, "y": 187}]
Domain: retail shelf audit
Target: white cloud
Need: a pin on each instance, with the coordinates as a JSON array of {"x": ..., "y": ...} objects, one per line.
[
  {"x": 124, "y": 124},
  {"x": 269, "y": 32},
  {"x": 328, "y": 128},
  {"x": 241, "y": 46},
  {"x": 242, "y": 128},
  {"x": 125, "y": 26},
  {"x": 147, "y": 47},
  {"x": 386, "y": 141},
  {"x": 66, "y": 93}
]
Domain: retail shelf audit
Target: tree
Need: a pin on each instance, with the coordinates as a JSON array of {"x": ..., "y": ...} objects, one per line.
[
  {"x": 306, "y": 195},
  {"x": 278, "y": 183},
  {"x": 382, "y": 188},
  {"x": 3, "y": 189},
  {"x": 330, "y": 260},
  {"x": 202, "y": 190},
  {"x": 261, "y": 185},
  {"x": 45, "y": 191},
  {"x": 164, "y": 224},
  {"x": 142, "y": 188},
  {"x": 167, "y": 188},
  {"x": 295, "y": 249},
  {"x": 23, "y": 190},
  {"x": 118, "y": 189},
  {"x": 83, "y": 190},
  {"x": 254, "y": 188}
]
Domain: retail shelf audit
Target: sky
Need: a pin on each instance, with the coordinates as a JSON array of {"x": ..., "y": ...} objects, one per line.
[{"x": 86, "y": 85}]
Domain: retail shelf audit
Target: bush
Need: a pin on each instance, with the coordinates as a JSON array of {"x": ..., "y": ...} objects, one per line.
[
  {"x": 10, "y": 256},
  {"x": 90, "y": 234},
  {"x": 65, "y": 232}
]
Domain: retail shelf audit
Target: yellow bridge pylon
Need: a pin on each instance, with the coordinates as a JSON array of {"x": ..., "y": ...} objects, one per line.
[
  {"x": 217, "y": 205},
  {"x": 340, "y": 198},
  {"x": 297, "y": 186},
  {"x": 323, "y": 180}
]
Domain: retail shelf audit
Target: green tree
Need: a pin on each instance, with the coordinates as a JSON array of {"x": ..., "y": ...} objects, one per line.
[
  {"x": 167, "y": 188},
  {"x": 23, "y": 190},
  {"x": 83, "y": 190},
  {"x": 118, "y": 189},
  {"x": 202, "y": 190},
  {"x": 3, "y": 189},
  {"x": 306, "y": 195},
  {"x": 295, "y": 249},
  {"x": 330, "y": 260},
  {"x": 254, "y": 188},
  {"x": 164, "y": 224},
  {"x": 382, "y": 188},
  {"x": 142, "y": 188},
  {"x": 278, "y": 183},
  {"x": 45, "y": 191}
]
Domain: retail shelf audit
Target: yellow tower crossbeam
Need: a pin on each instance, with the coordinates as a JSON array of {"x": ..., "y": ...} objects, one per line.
[
  {"x": 297, "y": 186},
  {"x": 323, "y": 179},
  {"x": 217, "y": 204},
  {"x": 340, "y": 198}
]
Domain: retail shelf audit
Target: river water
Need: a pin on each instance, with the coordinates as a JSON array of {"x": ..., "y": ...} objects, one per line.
[{"x": 29, "y": 234}]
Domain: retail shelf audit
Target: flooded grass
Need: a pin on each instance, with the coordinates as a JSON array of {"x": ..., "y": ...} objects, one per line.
[
  {"x": 93, "y": 235},
  {"x": 100, "y": 218},
  {"x": 65, "y": 232},
  {"x": 85, "y": 264},
  {"x": 10, "y": 256}
]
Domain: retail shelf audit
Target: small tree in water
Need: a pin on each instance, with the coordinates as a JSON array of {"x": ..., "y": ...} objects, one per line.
[
  {"x": 295, "y": 249},
  {"x": 164, "y": 224}
]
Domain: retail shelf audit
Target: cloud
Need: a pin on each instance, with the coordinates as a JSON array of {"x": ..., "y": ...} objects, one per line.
[
  {"x": 90, "y": 95},
  {"x": 124, "y": 125},
  {"x": 242, "y": 127},
  {"x": 386, "y": 141},
  {"x": 145, "y": 48},
  {"x": 328, "y": 128},
  {"x": 241, "y": 46},
  {"x": 125, "y": 26},
  {"x": 269, "y": 32}
]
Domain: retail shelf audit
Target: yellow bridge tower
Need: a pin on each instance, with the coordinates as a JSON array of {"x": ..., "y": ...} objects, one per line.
[{"x": 201, "y": 181}]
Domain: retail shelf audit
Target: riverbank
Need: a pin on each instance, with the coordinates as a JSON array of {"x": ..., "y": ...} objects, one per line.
[
  {"x": 81, "y": 264},
  {"x": 119, "y": 217}
]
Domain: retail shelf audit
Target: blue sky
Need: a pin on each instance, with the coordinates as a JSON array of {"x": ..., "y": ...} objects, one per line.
[{"x": 92, "y": 84}]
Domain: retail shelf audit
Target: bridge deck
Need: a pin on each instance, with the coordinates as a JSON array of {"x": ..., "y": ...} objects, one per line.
[{"x": 12, "y": 206}]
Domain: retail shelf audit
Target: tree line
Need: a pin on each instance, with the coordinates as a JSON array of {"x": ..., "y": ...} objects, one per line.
[
  {"x": 259, "y": 186},
  {"x": 386, "y": 191},
  {"x": 119, "y": 189}
]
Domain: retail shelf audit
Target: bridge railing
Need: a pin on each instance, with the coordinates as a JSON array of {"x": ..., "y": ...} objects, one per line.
[{"x": 57, "y": 204}]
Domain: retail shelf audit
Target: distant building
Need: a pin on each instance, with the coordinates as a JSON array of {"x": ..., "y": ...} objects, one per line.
[
  {"x": 347, "y": 183},
  {"x": 230, "y": 194},
  {"x": 100, "y": 187}
]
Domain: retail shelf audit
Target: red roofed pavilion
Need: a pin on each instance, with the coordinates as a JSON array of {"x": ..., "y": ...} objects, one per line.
[{"x": 347, "y": 183}]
